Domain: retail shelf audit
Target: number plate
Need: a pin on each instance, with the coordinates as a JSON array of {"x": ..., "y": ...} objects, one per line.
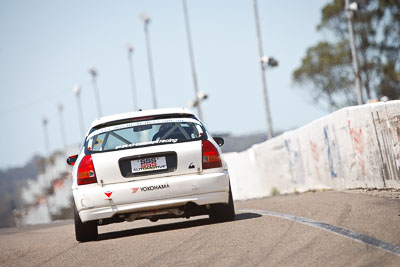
[{"x": 148, "y": 164}]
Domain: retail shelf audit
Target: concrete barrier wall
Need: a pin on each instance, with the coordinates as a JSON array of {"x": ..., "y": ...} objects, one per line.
[{"x": 351, "y": 148}]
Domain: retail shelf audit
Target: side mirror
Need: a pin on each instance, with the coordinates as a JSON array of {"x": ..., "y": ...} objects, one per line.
[
  {"x": 71, "y": 160},
  {"x": 220, "y": 141}
]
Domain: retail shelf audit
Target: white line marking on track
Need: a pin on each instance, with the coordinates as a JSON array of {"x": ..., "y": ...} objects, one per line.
[{"x": 371, "y": 241}]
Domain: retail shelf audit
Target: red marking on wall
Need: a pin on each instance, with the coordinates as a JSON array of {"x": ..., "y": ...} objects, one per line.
[
  {"x": 314, "y": 150},
  {"x": 357, "y": 141},
  {"x": 108, "y": 194}
]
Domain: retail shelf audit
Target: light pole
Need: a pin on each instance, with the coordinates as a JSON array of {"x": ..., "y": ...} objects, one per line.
[
  {"x": 146, "y": 21},
  {"x": 132, "y": 74},
  {"x": 191, "y": 56},
  {"x": 350, "y": 8},
  {"x": 200, "y": 96},
  {"x": 263, "y": 78},
  {"x": 62, "y": 128},
  {"x": 93, "y": 73},
  {"x": 77, "y": 91},
  {"x": 46, "y": 135}
]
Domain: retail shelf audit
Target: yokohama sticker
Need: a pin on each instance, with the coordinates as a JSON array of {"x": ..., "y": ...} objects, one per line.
[
  {"x": 150, "y": 188},
  {"x": 134, "y": 190}
]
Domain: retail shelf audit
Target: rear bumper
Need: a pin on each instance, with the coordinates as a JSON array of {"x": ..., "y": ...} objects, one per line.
[{"x": 96, "y": 202}]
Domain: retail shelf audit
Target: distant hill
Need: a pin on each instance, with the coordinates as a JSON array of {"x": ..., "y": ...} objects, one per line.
[
  {"x": 240, "y": 143},
  {"x": 11, "y": 182}
]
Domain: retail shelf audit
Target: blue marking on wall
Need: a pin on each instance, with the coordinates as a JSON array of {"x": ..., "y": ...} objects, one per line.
[
  {"x": 330, "y": 158},
  {"x": 296, "y": 166}
]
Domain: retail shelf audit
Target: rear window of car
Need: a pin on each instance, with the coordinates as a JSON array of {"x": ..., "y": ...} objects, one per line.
[{"x": 144, "y": 133}]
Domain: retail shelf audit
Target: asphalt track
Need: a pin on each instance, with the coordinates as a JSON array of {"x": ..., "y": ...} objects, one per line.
[{"x": 311, "y": 229}]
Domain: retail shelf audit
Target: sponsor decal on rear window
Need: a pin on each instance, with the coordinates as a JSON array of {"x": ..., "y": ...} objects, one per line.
[
  {"x": 144, "y": 133},
  {"x": 139, "y": 123},
  {"x": 166, "y": 141}
]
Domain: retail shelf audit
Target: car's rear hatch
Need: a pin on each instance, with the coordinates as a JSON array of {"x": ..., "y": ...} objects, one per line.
[{"x": 164, "y": 160}]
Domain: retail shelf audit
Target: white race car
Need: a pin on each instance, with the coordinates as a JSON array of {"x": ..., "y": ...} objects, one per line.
[{"x": 153, "y": 164}]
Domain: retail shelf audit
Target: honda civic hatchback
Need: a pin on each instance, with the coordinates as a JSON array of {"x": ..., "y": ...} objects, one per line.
[{"x": 154, "y": 164}]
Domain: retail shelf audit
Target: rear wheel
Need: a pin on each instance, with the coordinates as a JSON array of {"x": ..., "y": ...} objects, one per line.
[
  {"x": 84, "y": 231},
  {"x": 222, "y": 212}
]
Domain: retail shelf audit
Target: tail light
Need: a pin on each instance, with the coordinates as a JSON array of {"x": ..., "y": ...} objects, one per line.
[
  {"x": 86, "y": 173},
  {"x": 211, "y": 157}
]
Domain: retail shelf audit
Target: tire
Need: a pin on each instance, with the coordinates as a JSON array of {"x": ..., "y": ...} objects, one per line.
[
  {"x": 84, "y": 231},
  {"x": 222, "y": 212}
]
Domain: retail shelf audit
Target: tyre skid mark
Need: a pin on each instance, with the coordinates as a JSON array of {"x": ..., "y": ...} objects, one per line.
[{"x": 361, "y": 238}]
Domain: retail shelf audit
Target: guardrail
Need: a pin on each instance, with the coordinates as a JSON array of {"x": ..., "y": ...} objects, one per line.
[{"x": 354, "y": 147}]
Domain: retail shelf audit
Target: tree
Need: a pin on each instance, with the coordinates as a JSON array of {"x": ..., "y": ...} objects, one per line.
[{"x": 328, "y": 68}]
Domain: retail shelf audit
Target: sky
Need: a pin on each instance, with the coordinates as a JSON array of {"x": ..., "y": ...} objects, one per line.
[{"x": 48, "y": 46}]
